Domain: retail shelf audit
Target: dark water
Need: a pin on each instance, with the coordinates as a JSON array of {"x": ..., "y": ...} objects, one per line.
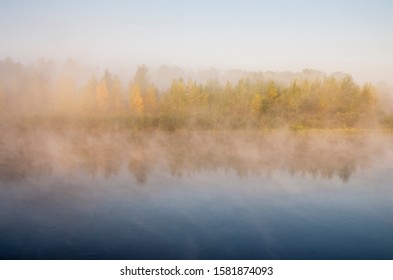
[{"x": 199, "y": 197}]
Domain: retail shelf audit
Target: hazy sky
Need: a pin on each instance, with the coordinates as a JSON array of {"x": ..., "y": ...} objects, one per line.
[{"x": 348, "y": 36}]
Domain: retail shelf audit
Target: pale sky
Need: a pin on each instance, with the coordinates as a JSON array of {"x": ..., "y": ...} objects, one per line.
[{"x": 347, "y": 36}]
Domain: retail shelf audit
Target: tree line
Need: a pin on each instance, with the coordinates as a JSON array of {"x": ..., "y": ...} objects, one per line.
[{"x": 323, "y": 102}]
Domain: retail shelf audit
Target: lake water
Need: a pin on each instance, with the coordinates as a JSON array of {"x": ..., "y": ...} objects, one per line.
[{"x": 78, "y": 195}]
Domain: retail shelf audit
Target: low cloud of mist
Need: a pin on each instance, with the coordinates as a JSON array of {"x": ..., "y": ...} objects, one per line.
[{"x": 28, "y": 154}]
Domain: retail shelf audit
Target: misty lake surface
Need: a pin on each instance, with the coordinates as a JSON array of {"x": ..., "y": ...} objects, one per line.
[{"x": 68, "y": 195}]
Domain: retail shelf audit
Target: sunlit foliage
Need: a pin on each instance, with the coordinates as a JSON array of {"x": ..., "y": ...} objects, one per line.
[
  {"x": 255, "y": 102},
  {"x": 136, "y": 101}
]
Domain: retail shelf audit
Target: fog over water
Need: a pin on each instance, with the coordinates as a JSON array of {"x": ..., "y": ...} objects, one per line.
[
  {"x": 325, "y": 156},
  {"x": 72, "y": 194}
]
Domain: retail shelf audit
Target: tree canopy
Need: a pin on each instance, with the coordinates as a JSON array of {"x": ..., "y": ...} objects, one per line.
[{"x": 322, "y": 102}]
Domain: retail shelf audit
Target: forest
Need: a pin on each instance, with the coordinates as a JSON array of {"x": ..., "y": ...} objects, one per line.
[{"x": 37, "y": 94}]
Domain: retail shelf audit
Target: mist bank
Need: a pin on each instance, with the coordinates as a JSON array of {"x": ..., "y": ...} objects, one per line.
[
  {"x": 30, "y": 154},
  {"x": 43, "y": 94}
]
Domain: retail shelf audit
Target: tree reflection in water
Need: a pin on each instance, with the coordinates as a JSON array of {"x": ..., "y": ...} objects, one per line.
[{"x": 25, "y": 153}]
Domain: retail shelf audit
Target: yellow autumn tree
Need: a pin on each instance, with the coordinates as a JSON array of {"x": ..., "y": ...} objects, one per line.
[
  {"x": 136, "y": 101},
  {"x": 272, "y": 91},
  {"x": 176, "y": 95},
  {"x": 151, "y": 99},
  {"x": 368, "y": 98},
  {"x": 256, "y": 103}
]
